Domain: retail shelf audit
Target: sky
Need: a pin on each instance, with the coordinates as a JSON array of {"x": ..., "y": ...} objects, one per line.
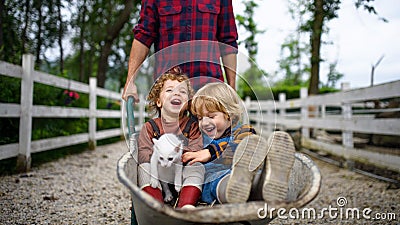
[{"x": 359, "y": 40}]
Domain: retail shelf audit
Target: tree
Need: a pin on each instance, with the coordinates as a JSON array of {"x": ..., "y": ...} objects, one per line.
[
  {"x": 247, "y": 22},
  {"x": 295, "y": 48},
  {"x": 251, "y": 82},
  {"x": 61, "y": 32},
  {"x": 112, "y": 28},
  {"x": 333, "y": 76},
  {"x": 99, "y": 32},
  {"x": 291, "y": 63},
  {"x": 28, "y": 27},
  {"x": 81, "y": 21},
  {"x": 11, "y": 45},
  {"x": 323, "y": 11},
  {"x": 102, "y": 29}
]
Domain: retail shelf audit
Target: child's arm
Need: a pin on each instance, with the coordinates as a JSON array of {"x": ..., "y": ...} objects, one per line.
[
  {"x": 216, "y": 150},
  {"x": 145, "y": 144},
  {"x": 238, "y": 135},
  {"x": 198, "y": 156},
  {"x": 242, "y": 132}
]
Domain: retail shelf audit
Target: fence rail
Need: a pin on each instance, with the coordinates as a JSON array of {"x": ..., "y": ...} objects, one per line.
[
  {"x": 346, "y": 112},
  {"x": 26, "y": 111}
]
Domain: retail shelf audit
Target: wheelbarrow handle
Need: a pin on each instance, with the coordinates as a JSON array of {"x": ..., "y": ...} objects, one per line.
[
  {"x": 131, "y": 130},
  {"x": 130, "y": 115}
]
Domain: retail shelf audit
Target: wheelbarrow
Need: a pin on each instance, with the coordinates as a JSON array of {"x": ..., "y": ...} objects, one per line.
[{"x": 304, "y": 185}]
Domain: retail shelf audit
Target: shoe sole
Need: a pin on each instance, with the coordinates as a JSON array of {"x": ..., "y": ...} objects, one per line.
[
  {"x": 248, "y": 158},
  {"x": 278, "y": 165}
]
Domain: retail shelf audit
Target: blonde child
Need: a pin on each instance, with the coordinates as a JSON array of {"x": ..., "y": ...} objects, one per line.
[
  {"x": 169, "y": 99},
  {"x": 218, "y": 110}
]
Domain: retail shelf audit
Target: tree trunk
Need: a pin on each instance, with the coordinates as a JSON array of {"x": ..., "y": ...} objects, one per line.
[
  {"x": 103, "y": 63},
  {"x": 2, "y": 16},
  {"x": 313, "y": 88},
  {"x": 90, "y": 60},
  {"x": 60, "y": 36},
  {"x": 39, "y": 33},
  {"x": 82, "y": 44},
  {"x": 112, "y": 31},
  {"x": 25, "y": 30}
]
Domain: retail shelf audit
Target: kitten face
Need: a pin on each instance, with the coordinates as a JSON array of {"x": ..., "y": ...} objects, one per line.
[{"x": 169, "y": 149}]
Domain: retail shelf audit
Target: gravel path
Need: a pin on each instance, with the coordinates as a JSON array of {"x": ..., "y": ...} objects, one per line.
[
  {"x": 79, "y": 189},
  {"x": 84, "y": 189},
  {"x": 354, "y": 191}
]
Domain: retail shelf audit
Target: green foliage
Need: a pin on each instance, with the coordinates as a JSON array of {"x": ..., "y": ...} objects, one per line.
[
  {"x": 252, "y": 83},
  {"x": 293, "y": 92},
  {"x": 295, "y": 50},
  {"x": 53, "y": 127},
  {"x": 256, "y": 93},
  {"x": 10, "y": 89},
  {"x": 326, "y": 90},
  {"x": 12, "y": 48},
  {"x": 9, "y": 132},
  {"x": 249, "y": 24},
  {"x": 333, "y": 76}
]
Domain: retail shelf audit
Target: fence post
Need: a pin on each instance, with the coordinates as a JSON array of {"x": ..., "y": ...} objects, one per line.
[
  {"x": 247, "y": 103},
  {"x": 282, "y": 110},
  {"x": 25, "y": 122},
  {"x": 282, "y": 100},
  {"x": 259, "y": 117},
  {"x": 347, "y": 135},
  {"x": 92, "y": 112},
  {"x": 305, "y": 131},
  {"x": 323, "y": 111},
  {"x": 270, "y": 114}
]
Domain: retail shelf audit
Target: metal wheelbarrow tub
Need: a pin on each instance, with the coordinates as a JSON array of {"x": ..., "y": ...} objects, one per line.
[
  {"x": 304, "y": 186},
  {"x": 305, "y": 181}
]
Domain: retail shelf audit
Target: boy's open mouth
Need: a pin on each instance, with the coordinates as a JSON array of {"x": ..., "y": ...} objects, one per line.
[
  {"x": 176, "y": 102},
  {"x": 209, "y": 129}
]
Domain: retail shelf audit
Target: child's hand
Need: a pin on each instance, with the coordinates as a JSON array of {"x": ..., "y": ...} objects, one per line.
[{"x": 199, "y": 156}]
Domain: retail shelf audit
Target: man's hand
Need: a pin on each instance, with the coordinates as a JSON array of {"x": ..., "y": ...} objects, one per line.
[
  {"x": 130, "y": 90},
  {"x": 199, "y": 156}
]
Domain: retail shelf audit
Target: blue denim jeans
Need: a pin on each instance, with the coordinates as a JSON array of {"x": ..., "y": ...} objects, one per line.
[{"x": 214, "y": 173}]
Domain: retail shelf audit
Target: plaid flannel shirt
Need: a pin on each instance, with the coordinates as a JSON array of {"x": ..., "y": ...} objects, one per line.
[{"x": 190, "y": 33}]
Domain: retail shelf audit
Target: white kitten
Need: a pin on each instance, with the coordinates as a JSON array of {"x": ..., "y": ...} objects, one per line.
[{"x": 166, "y": 164}]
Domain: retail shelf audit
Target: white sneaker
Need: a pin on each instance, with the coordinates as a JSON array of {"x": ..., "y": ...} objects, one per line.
[
  {"x": 248, "y": 158},
  {"x": 278, "y": 165}
]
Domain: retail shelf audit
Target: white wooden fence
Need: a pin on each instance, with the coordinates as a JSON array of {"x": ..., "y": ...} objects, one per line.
[
  {"x": 26, "y": 111},
  {"x": 355, "y": 112}
]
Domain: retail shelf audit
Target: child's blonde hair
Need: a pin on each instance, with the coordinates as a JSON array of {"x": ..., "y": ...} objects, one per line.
[
  {"x": 217, "y": 97},
  {"x": 173, "y": 74}
]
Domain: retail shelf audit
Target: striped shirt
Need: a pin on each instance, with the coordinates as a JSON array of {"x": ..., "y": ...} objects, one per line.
[{"x": 229, "y": 140}]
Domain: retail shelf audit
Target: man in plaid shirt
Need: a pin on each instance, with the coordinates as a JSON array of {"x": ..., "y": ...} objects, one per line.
[{"x": 190, "y": 33}]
